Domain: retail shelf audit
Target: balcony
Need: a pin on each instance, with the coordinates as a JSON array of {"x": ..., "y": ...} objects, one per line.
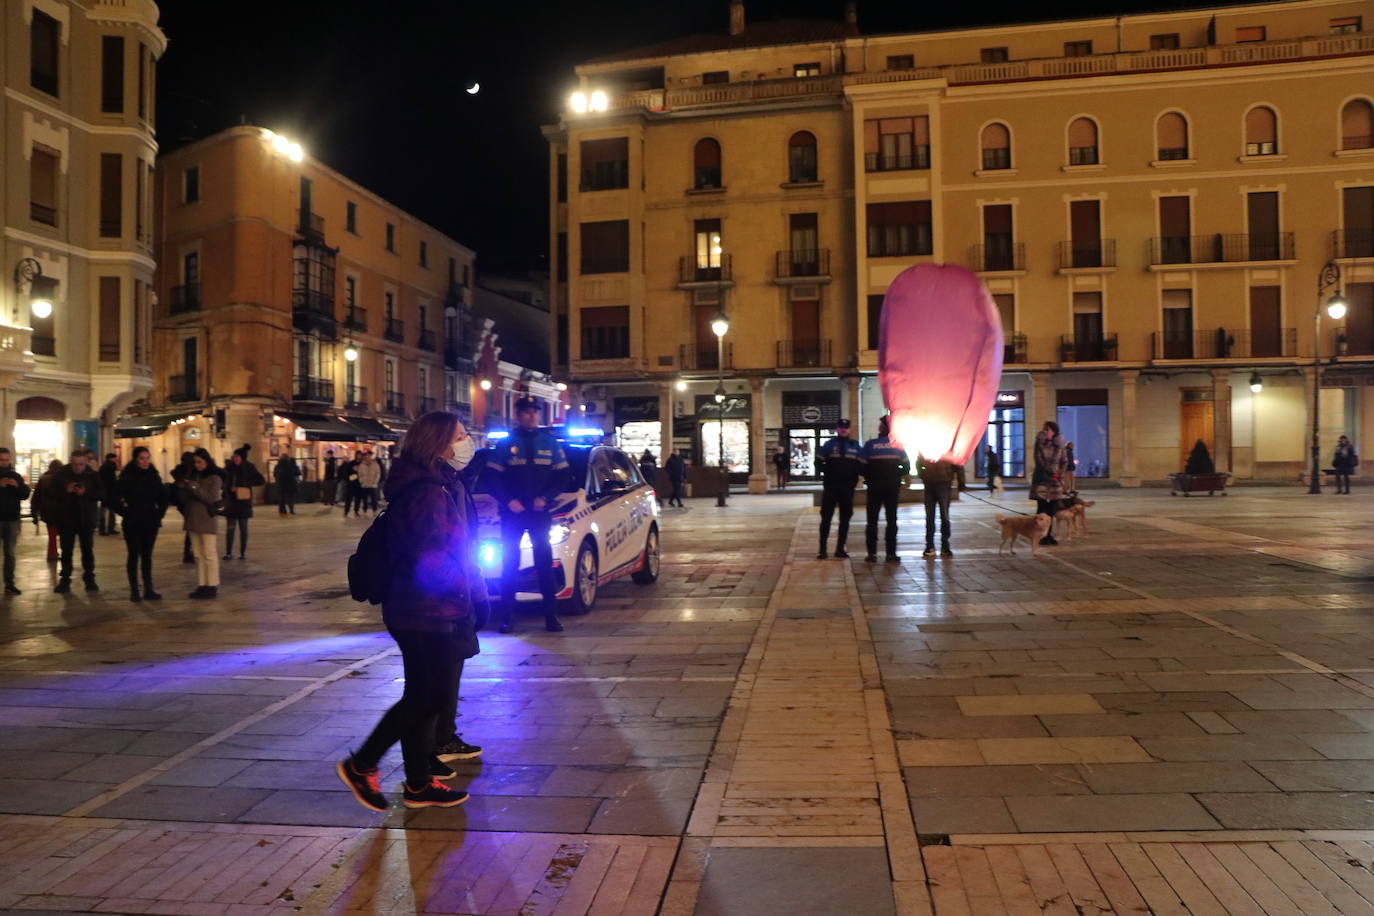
[
  {"x": 1352, "y": 243},
  {"x": 182, "y": 388},
  {"x": 1223, "y": 343},
  {"x": 42, "y": 213},
  {"x": 313, "y": 310},
  {"x": 999, "y": 257},
  {"x": 706, "y": 178},
  {"x": 454, "y": 358},
  {"x": 1087, "y": 349},
  {"x": 918, "y": 158},
  {"x": 427, "y": 340},
  {"x": 306, "y": 388},
  {"x": 704, "y": 357},
  {"x": 395, "y": 330},
  {"x": 1087, "y": 254},
  {"x": 185, "y": 298},
  {"x": 311, "y": 226},
  {"x": 1014, "y": 350},
  {"x": 803, "y": 354},
  {"x": 355, "y": 319},
  {"x": 803, "y": 265},
  {"x": 1345, "y": 341},
  {"x": 1221, "y": 249},
  {"x": 43, "y": 345},
  {"x": 426, "y": 405},
  {"x": 395, "y": 404},
  {"x": 457, "y": 294},
  {"x": 694, "y": 270},
  {"x": 355, "y": 396}
]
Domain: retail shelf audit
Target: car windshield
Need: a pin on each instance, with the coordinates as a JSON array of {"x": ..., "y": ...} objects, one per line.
[{"x": 577, "y": 465}]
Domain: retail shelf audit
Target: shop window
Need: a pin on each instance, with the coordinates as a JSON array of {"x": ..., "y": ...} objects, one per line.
[
  {"x": 1006, "y": 436},
  {"x": 1082, "y": 417}
]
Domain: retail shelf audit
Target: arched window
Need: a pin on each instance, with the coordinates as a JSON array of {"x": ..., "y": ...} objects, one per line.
[
  {"x": 801, "y": 157},
  {"x": 1357, "y": 125},
  {"x": 1083, "y": 142},
  {"x": 996, "y": 144},
  {"x": 1261, "y": 132},
  {"x": 706, "y": 164},
  {"x": 1171, "y": 136}
]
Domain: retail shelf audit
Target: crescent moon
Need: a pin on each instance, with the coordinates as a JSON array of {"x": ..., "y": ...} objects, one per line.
[{"x": 474, "y": 88}]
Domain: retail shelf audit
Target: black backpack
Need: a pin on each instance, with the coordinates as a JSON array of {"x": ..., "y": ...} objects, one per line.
[{"x": 370, "y": 566}]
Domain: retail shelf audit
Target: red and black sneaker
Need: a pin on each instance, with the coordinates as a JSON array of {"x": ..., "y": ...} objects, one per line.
[
  {"x": 434, "y": 795},
  {"x": 365, "y": 785}
]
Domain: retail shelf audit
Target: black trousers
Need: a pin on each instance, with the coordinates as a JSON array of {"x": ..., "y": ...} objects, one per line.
[
  {"x": 366, "y": 499},
  {"x": 675, "y": 497},
  {"x": 882, "y": 498},
  {"x": 1046, "y": 507},
  {"x": 937, "y": 497},
  {"x": 1342, "y": 482},
  {"x": 428, "y": 661},
  {"x": 66, "y": 537},
  {"x": 350, "y": 495},
  {"x": 286, "y": 500},
  {"x": 836, "y": 496},
  {"x": 513, "y": 525},
  {"x": 446, "y": 723},
  {"x": 139, "y": 541},
  {"x": 109, "y": 519},
  {"x": 242, "y": 525}
]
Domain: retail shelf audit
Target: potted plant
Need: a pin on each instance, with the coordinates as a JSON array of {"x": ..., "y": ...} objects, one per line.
[{"x": 1199, "y": 474}]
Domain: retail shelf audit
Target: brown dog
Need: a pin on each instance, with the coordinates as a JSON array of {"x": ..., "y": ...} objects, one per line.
[
  {"x": 1073, "y": 513},
  {"x": 1030, "y": 527}
]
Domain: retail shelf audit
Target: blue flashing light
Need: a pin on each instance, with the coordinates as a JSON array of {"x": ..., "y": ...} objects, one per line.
[
  {"x": 579, "y": 432},
  {"x": 489, "y": 554},
  {"x": 499, "y": 434}
]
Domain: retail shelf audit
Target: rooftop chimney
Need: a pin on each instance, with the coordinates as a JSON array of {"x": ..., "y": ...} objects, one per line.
[
  {"x": 851, "y": 13},
  {"x": 736, "y": 17}
]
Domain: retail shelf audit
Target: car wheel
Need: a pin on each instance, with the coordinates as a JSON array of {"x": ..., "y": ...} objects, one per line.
[
  {"x": 652, "y": 559},
  {"x": 586, "y": 579}
]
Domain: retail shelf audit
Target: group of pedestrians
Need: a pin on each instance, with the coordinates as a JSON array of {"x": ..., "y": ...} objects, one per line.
[
  {"x": 883, "y": 465},
  {"x": 361, "y": 479},
  {"x": 674, "y": 469}
]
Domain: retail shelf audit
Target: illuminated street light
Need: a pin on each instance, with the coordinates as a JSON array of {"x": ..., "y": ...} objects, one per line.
[
  {"x": 351, "y": 353},
  {"x": 42, "y": 308},
  {"x": 720, "y": 325},
  {"x": 681, "y": 385},
  {"x": 1256, "y": 383},
  {"x": 1335, "y": 307},
  {"x": 600, "y": 102},
  {"x": 578, "y": 101},
  {"x": 485, "y": 384},
  {"x": 562, "y": 386},
  {"x": 284, "y": 147}
]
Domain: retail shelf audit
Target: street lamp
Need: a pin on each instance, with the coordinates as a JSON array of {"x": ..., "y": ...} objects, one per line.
[
  {"x": 351, "y": 352},
  {"x": 1335, "y": 307},
  {"x": 1256, "y": 383},
  {"x": 719, "y": 326},
  {"x": 26, "y": 275}
]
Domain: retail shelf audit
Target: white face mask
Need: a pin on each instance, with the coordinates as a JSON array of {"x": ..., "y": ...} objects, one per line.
[{"x": 463, "y": 450}]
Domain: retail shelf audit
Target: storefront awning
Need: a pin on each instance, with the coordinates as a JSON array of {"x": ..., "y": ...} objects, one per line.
[
  {"x": 150, "y": 425},
  {"x": 368, "y": 428},
  {"x": 320, "y": 428}
]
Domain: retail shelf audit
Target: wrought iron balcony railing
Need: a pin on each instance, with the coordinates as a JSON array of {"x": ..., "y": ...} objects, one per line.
[
  {"x": 427, "y": 340},
  {"x": 802, "y": 354},
  {"x": 1226, "y": 343},
  {"x": 183, "y": 388},
  {"x": 706, "y": 269},
  {"x": 796, "y": 263},
  {"x": 355, "y": 396},
  {"x": 704, "y": 357},
  {"x": 1014, "y": 350},
  {"x": 185, "y": 298},
  {"x": 918, "y": 158},
  {"x": 1080, "y": 253},
  {"x": 1091, "y": 348},
  {"x": 1352, "y": 243},
  {"x": 999, "y": 256},
  {"x": 1221, "y": 249},
  {"x": 395, "y": 403},
  {"x": 309, "y": 388},
  {"x": 395, "y": 330},
  {"x": 355, "y": 319}
]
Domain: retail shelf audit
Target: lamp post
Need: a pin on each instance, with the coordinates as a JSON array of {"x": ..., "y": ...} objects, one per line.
[
  {"x": 1335, "y": 307},
  {"x": 719, "y": 326},
  {"x": 26, "y": 272}
]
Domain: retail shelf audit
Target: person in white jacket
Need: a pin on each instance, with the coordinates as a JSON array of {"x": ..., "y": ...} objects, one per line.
[{"x": 369, "y": 479}]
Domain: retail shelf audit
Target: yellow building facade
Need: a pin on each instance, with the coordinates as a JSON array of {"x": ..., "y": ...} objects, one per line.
[
  {"x": 76, "y": 304},
  {"x": 1150, "y": 199},
  {"x": 298, "y": 311}
]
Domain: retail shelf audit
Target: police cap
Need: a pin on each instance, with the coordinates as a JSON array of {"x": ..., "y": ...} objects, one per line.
[{"x": 526, "y": 404}]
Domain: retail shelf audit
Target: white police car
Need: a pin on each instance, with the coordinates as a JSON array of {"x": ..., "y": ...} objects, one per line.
[{"x": 605, "y": 527}]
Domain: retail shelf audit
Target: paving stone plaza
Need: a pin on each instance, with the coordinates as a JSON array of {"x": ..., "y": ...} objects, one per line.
[{"x": 1172, "y": 715}]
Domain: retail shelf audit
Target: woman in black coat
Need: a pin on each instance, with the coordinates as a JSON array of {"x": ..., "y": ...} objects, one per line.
[
  {"x": 240, "y": 476},
  {"x": 287, "y": 475},
  {"x": 141, "y": 498}
]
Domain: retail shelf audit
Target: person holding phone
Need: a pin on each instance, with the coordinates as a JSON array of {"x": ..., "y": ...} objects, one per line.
[{"x": 76, "y": 494}]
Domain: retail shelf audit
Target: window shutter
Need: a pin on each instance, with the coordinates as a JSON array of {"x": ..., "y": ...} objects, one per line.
[
  {"x": 1173, "y": 131},
  {"x": 996, "y": 136},
  {"x": 707, "y": 154},
  {"x": 1357, "y": 119},
  {"x": 1260, "y": 125},
  {"x": 1082, "y": 132}
]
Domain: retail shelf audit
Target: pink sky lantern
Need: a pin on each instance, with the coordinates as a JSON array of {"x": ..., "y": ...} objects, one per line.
[{"x": 939, "y": 360}]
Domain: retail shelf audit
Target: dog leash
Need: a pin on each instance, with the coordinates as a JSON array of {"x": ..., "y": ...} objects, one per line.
[{"x": 991, "y": 503}]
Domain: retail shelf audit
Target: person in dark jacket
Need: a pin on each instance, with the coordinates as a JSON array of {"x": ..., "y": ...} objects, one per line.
[
  {"x": 428, "y": 612},
  {"x": 676, "y": 469},
  {"x": 840, "y": 467},
  {"x": 13, "y": 492},
  {"x": 76, "y": 498},
  {"x": 994, "y": 463},
  {"x": 180, "y": 473},
  {"x": 1344, "y": 462},
  {"x": 287, "y": 474},
  {"x": 885, "y": 466},
  {"x": 348, "y": 481},
  {"x": 782, "y": 466},
  {"x": 329, "y": 485},
  {"x": 648, "y": 468},
  {"x": 529, "y": 471},
  {"x": 45, "y": 505},
  {"x": 937, "y": 477},
  {"x": 109, "y": 477},
  {"x": 141, "y": 499},
  {"x": 240, "y": 476},
  {"x": 1047, "y": 479}
]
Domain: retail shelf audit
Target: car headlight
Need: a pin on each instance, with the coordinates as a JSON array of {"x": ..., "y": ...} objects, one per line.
[{"x": 559, "y": 532}]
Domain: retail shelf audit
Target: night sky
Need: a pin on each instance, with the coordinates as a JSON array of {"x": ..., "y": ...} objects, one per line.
[{"x": 375, "y": 90}]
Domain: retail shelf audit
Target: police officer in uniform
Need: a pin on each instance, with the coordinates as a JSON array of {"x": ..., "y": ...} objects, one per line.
[
  {"x": 885, "y": 466},
  {"x": 840, "y": 468},
  {"x": 529, "y": 471}
]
